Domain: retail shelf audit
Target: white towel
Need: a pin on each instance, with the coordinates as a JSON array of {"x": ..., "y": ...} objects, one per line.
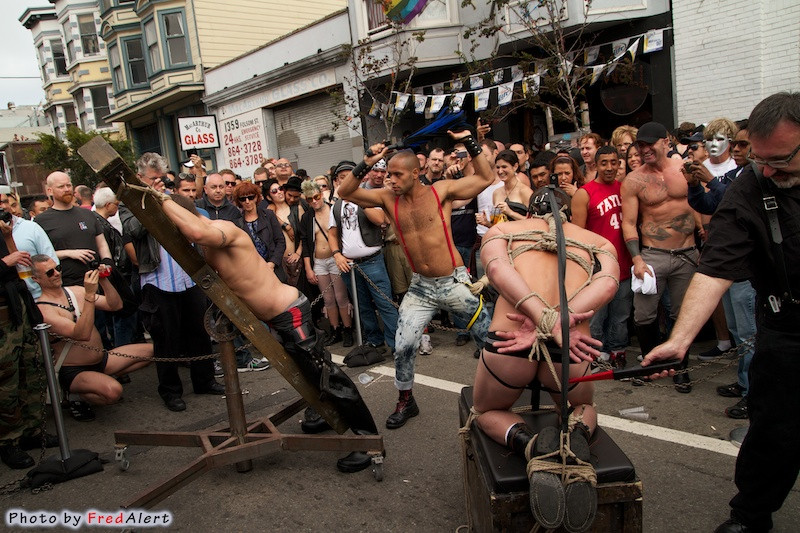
[{"x": 645, "y": 286}]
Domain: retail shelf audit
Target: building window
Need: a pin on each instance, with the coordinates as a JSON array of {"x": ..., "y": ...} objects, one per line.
[
  {"x": 68, "y": 39},
  {"x": 43, "y": 62},
  {"x": 60, "y": 62},
  {"x": 151, "y": 39},
  {"x": 88, "y": 30},
  {"x": 135, "y": 58},
  {"x": 100, "y": 106},
  {"x": 70, "y": 118},
  {"x": 175, "y": 36},
  {"x": 116, "y": 68},
  {"x": 376, "y": 15},
  {"x": 147, "y": 139}
]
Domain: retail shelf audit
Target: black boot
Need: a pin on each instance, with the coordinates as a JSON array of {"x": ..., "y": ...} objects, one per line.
[
  {"x": 518, "y": 438},
  {"x": 355, "y": 461},
  {"x": 347, "y": 337},
  {"x": 334, "y": 336},
  {"x": 406, "y": 408},
  {"x": 313, "y": 422}
]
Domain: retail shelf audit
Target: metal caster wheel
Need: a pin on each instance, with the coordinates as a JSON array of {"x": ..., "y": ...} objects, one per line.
[
  {"x": 377, "y": 468},
  {"x": 121, "y": 457}
]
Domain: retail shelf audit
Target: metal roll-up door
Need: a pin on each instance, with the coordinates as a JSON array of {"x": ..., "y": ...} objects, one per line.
[{"x": 306, "y": 136}]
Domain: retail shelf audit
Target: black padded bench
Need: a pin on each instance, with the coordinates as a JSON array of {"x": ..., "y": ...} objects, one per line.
[{"x": 497, "y": 493}]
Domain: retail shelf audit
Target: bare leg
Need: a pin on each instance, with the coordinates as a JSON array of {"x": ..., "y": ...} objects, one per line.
[
  {"x": 581, "y": 397},
  {"x": 122, "y": 365},
  {"x": 96, "y": 388}
]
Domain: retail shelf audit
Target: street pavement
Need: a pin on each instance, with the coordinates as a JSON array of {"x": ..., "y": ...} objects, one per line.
[{"x": 681, "y": 454}]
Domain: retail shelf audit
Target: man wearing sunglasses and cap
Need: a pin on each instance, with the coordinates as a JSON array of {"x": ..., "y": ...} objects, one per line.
[{"x": 654, "y": 200}]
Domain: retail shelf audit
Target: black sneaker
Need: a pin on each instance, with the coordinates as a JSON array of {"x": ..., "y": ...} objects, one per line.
[
  {"x": 710, "y": 355},
  {"x": 738, "y": 411},
  {"x": 15, "y": 458},
  {"x": 734, "y": 390}
]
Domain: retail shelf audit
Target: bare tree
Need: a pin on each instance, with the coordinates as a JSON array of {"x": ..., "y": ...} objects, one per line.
[
  {"x": 379, "y": 70},
  {"x": 549, "y": 46}
]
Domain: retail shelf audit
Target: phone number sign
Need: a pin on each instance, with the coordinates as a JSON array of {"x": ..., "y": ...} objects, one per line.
[
  {"x": 244, "y": 142},
  {"x": 198, "y": 132}
]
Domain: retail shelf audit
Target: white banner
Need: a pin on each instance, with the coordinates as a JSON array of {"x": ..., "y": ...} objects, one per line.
[
  {"x": 475, "y": 81},
  {"x": 504, "y": 93},
  {"x": 402, "y": 101},
  {"x": 458, "y": 101},
  {"x": 653, "y": 41},
  {"x": 437, "y": 101},
  {"x": 419, "y": 103},
  {"x": 482, "y": 99}
]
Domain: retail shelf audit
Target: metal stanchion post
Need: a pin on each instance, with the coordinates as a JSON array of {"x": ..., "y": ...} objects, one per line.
[
  {"x": 355, "y": 303},
  {"x": 47, "y": 353}
]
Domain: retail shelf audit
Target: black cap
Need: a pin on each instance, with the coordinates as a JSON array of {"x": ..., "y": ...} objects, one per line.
[
  {"x": 344, "y": 165},
  {"x": 651, "y": 132},
  {"x": 294, "y": 184}
]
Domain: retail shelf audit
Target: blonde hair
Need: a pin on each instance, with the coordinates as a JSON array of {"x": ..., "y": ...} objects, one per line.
[
  {"x": 617, "y": 134},
  {"x": 720, "y": 125},
  {"x": 310, "y": 188}
]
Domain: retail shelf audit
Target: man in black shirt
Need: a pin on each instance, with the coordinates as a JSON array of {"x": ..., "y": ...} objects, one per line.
[
  {"x": 76, "y": 233},
  {"x": 741, "y": 246}
]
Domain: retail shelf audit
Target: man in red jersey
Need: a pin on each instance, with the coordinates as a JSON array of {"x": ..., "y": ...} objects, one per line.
[{"x": 597, "y": 207}]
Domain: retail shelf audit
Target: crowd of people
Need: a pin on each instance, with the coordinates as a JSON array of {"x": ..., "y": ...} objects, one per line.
[{"x": 410, "y": 225}]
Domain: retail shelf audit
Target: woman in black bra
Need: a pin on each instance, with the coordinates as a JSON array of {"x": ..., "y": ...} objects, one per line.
[{"x": 513, "y": 197}]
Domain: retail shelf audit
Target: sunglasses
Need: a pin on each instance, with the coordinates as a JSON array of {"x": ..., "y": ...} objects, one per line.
[
  {"x": 323, "y": 186},
  {"x": 248, "y": 198},
  {"x": 230, "y": 183},
  {"x": 52, "y": 272},
  {"x": 274, "y": 191},
  {"x": 314, "y": 198},
  {"x": 694, "y": 146},
  {"x": 740, "y": 144},
  {"x": 283, "y": 165}
]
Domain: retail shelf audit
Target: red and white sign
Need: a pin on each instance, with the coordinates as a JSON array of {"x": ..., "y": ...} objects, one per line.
[
  {"x": 244, "y": 142},
  {"x": 198, "y": 132}
]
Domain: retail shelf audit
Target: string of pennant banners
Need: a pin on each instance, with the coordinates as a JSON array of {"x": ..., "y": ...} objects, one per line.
[{"x": 432, "y": 98}]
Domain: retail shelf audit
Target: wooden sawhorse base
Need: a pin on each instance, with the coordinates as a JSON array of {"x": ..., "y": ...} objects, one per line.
[
  {"x": 239, "y": 442},
  {"x": 221, "y": 448}
]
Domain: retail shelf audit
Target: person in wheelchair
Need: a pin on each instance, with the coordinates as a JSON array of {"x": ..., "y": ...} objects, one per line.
[{"x": 525, "y": 344}]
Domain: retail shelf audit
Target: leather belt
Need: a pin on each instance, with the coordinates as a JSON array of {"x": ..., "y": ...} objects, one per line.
[
  {"x": 367, "y": 258},
  {"x": 676, "y": 251}
]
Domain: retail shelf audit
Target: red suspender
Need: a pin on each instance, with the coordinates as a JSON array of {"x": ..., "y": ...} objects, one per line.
[
  {"x": 444, "y": 227},
  {"x": 400, "y": 232}
]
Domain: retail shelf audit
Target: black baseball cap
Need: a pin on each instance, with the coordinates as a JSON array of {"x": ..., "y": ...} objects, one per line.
[
  {"x": 651, "y": 132},
  {"x": 344, "y": 165}
]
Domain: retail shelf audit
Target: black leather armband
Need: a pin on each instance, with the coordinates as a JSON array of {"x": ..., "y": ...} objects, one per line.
[
  {"x": 472, "y": 146},
  {"x": 633, "y": 247},
  {"x": 361, "y": 170}
]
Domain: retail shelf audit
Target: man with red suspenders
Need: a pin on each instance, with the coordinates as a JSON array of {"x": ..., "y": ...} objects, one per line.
[{"x": 421, "y": 217}]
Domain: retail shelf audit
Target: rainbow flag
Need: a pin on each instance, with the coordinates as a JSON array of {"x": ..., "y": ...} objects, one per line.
[{"x": 404, "y": 10}]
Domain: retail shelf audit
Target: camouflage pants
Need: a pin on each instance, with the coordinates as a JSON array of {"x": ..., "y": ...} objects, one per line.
[{"x": 22, "y": 379}]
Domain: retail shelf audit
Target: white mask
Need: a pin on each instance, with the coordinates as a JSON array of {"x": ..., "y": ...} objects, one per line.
[{"x": 717, "y": 145}]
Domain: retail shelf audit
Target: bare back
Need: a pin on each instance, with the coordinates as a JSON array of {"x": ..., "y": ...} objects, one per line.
[
  {"x": 539, "y": 269},
  {"x": 427, "y": 240},
  {"x": 248, "y": 275},
  {"x": 664, "y": 216}
]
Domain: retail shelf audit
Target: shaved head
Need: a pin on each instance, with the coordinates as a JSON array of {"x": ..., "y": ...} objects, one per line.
[
  {"x": 56, "y": 177},
  {"x": 407, "y": 158}
]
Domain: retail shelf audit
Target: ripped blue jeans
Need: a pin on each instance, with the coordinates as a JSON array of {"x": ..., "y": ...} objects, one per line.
[{"x": 424, "y": 297}]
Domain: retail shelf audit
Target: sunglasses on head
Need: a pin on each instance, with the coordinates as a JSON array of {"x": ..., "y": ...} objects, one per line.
[
  {"x": 248, "y": 198},
  {"x": 52, "y": 272}
]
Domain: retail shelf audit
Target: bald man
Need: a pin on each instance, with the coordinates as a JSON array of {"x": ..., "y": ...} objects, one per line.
[
  {"x": 421, "y": 216},
  {"x": 76, "y": 233}
]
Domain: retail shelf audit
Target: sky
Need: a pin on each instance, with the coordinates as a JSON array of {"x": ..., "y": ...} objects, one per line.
[{"x": 18, "y": 56}]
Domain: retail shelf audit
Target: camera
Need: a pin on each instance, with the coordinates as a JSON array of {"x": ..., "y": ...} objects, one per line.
[
  {"x": 168, "y": 183},
  {"x": 5, "y": 216},
  {"x": 554, "y": 179},
  {"x": 94, "y": 265},
  {"x": 461, "y": 154}
]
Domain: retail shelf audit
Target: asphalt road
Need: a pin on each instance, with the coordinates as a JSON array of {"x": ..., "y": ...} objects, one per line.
[{"x": 681, "y": 454}]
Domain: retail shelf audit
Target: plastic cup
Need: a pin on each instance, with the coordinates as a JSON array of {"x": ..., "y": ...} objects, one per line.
[{"x": 24, "y": 271}]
